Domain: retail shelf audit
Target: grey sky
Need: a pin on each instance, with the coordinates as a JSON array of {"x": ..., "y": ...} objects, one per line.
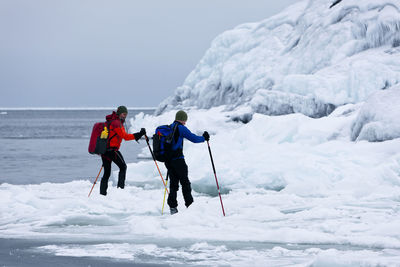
[{"x": 93, "y": 53}]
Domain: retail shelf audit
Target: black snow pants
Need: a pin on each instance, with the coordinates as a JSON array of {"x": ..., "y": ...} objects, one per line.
[
  {"x": 178, "y": 173},
  {"x": 108, "y": 158}
]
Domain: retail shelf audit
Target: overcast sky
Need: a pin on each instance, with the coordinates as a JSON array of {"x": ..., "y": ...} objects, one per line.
[{"x": 93, "y": 53}]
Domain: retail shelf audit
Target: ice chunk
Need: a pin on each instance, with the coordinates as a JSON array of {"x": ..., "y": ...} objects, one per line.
[{"x": 378, "y": 119}]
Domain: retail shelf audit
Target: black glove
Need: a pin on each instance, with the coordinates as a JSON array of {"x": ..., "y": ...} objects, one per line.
[
  {"x": 206, "y": 136},
  {"x": 139, "y": 135}
]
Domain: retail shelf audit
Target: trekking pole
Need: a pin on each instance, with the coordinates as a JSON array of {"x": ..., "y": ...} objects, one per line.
[
  {"x": 95, "y": 180},
  {"x": 154, "y": 158},
  {"x": 165, "y": 192},
  {"x": 216, "y": 180}
]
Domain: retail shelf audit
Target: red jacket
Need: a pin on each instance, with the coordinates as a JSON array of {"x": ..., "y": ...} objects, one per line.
[{"x": 116, "y": 131}]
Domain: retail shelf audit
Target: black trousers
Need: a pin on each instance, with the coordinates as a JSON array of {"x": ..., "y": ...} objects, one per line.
[
  {"x": 108, "y": 158},
  {"x": 178, "y": 173}
]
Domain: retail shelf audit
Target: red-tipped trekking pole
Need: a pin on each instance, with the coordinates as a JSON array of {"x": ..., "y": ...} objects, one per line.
[
  {"x": 95, "y": 181},
  {"x": 216, "y": 180},
  {"x": 154, "y": 158}
]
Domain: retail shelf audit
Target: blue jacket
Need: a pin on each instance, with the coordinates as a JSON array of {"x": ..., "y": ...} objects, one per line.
[{"x": 183, "y": 132}]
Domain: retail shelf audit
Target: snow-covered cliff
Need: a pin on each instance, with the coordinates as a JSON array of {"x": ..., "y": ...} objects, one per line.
[{"x": 311, "y": 58}]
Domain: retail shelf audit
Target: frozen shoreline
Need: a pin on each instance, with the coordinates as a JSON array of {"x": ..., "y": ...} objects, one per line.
[
  {"x": 309, "y": 232},
  {"x": 286, "y": 180}
]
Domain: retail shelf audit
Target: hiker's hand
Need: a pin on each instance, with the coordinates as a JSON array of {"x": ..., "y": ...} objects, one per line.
[
  {"x": 139, "y": 135},
  {"x": 206, "y": 136}
]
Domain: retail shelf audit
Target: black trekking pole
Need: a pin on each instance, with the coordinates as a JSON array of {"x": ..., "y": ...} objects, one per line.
[
  {"x": 154, "y": 158},
  {"x": 216, "y": 180}
]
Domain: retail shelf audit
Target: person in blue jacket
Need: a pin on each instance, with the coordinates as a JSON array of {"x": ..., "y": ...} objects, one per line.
[{"x": 177, "y": 168}]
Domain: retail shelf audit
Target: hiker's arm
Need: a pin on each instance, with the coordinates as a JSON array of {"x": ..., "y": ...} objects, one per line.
[
  {"x": 122, "y": 133},
  {"x": 191, "y": 136}
]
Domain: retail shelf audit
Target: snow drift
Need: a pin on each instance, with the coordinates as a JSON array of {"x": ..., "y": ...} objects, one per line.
[{"x": 309, "y": 59}]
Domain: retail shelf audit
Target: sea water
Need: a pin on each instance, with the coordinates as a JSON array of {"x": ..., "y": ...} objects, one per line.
[{"x": 45, "y": 145}]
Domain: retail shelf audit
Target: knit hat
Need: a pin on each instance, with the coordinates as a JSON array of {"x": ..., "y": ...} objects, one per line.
[
  {"x": 181, "y": 116},
  {"x": 122, "y": 109}
]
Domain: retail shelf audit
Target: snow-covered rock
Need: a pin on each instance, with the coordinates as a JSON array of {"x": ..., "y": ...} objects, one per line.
[{"x": 310, "y": 58}]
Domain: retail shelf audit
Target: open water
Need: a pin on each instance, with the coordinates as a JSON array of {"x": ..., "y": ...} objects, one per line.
[{"x": 52, "y": 145}]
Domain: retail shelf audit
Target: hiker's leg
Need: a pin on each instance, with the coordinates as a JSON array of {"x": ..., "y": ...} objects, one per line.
[
  {"x": 106, "y": 175},
  {"x": 182, "y": 171},
  {"x": 119, "y": 160},
  {"x": 173, "y": 185}
]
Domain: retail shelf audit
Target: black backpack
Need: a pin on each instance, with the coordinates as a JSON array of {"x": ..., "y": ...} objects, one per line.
[{"x": 163, "y": 140}]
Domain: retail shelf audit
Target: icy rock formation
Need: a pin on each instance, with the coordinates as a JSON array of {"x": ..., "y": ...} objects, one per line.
[
  {"x": 312, "y": 57},
  {"x": 378, "y": 119}
]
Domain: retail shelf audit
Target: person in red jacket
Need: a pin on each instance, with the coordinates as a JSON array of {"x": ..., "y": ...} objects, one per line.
[{"x": 115, "y": 135}]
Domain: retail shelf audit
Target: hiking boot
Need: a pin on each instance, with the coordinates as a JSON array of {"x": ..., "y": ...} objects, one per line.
[
  {"x": 173, "y": 210},
  {"x": 187, "y": 204}
]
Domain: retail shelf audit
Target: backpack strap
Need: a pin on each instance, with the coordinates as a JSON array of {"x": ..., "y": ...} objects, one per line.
[
  {"x": 108, "y": 124},
  {"x": 173, "y": 137}
]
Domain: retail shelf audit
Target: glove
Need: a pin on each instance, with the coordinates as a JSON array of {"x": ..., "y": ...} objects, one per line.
[
  {"x": 139, "y": 135},
  {"x": 206, "y": 136}
]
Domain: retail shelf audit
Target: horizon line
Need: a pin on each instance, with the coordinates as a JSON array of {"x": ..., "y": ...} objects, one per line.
[{"x": 73, "y": 108}]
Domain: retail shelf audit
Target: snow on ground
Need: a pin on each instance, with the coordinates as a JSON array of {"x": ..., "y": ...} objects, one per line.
[{"x": 296, "y": 191}]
